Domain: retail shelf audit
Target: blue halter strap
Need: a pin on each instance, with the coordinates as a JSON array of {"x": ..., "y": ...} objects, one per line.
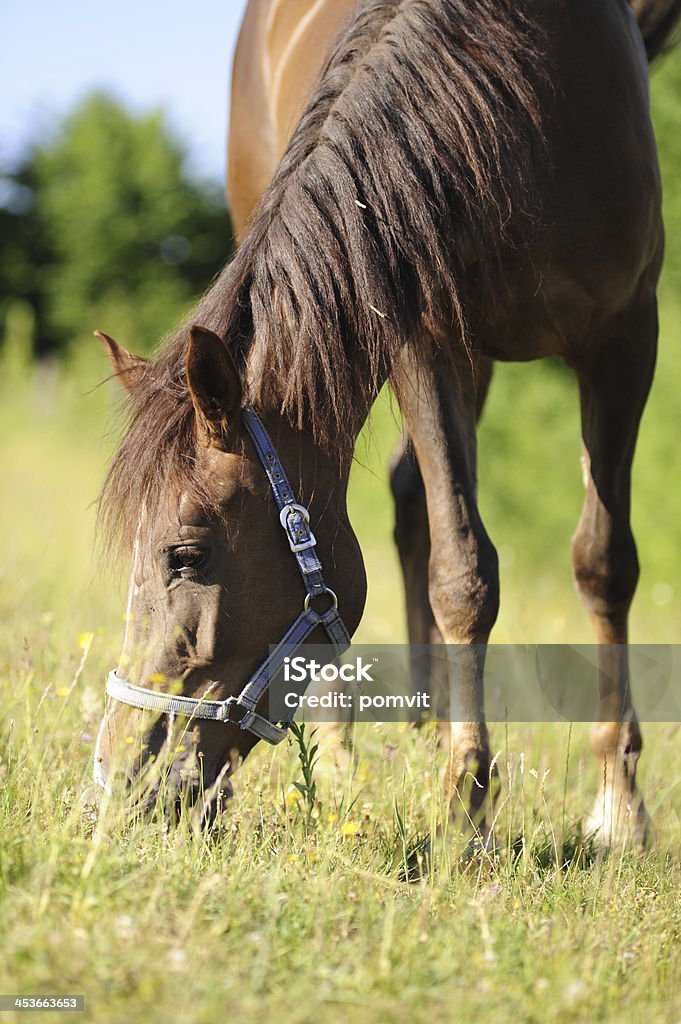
[{"x": 241, "y": 710}]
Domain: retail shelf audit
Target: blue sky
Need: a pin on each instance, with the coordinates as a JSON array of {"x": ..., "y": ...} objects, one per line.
[{"x": 148, "y": 53}]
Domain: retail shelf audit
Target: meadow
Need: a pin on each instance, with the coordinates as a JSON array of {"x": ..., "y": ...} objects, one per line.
[{"x": 299, "y": 913}]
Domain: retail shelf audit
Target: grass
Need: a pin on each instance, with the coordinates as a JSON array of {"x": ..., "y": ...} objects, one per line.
[
  {"x": 301, "y": 919},
  {"x": 297, "y": 908}
]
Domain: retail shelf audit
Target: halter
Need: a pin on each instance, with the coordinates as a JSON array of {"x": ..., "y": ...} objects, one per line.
[{"x": 295, "y": 519}]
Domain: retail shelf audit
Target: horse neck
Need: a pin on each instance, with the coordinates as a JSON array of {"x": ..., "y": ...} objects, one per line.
[{"x": 319, "y": 478}]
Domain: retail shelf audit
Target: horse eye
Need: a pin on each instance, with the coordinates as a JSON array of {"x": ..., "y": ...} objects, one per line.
[{"x": 185, "y": 558}]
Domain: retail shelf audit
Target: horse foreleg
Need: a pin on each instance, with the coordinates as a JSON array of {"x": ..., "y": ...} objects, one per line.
[
  {"x": 412, "y": 539},
  {"x": 463, "y": 585},
  {"x": 614, "y": 385}
]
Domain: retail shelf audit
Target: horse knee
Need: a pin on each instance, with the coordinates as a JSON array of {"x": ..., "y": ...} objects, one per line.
[
  {"x": 466, "y": 603},
  {"x": 606, "y": 570}
]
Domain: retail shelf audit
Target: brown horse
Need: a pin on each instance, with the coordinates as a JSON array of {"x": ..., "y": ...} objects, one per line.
[{"x": 460, "y": 182}]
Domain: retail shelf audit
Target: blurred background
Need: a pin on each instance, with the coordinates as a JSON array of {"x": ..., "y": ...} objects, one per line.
[{"x": 112, "y": 216}]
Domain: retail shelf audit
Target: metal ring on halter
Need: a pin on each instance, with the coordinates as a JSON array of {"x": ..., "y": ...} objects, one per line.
[{"x": 326, "y": 590}]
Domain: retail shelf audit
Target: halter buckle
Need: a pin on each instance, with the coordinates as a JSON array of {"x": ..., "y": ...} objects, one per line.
[{"x": 304, "y": 545}]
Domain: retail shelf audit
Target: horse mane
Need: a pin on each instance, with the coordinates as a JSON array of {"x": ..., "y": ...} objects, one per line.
[{"x": 409, "y": 170}]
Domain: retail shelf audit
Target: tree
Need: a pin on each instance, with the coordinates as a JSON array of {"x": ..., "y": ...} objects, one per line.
[{"x": 106, "y": 229}]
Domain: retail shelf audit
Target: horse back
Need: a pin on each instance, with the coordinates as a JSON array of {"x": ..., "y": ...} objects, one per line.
[{"x": 280, "y": 52}]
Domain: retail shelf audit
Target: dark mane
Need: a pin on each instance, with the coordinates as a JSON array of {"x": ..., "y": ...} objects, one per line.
[{"x": 420, "y": 135}]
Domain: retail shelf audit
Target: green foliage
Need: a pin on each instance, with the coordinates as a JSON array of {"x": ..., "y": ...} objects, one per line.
[
  {"x": 308, "y": 756},
  {"x": 18, "y": 342},
  {"x": 666, "y": 105},
  {"x": 123, "y": 239}
]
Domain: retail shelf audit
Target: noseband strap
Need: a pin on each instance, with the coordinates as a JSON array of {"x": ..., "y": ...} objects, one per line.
[{"x": 241, "y": 710}]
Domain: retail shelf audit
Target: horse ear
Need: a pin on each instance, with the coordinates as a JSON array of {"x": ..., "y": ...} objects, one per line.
[
  {"x": 128, "y": 368},
  {"x": 214, "y": 384}
]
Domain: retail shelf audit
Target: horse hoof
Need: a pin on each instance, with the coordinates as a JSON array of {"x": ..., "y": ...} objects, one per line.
[
  {"x": 619, "y": 819},
  {"x": 89, "y": 803},
  {"x": 483, "y": 844}
]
